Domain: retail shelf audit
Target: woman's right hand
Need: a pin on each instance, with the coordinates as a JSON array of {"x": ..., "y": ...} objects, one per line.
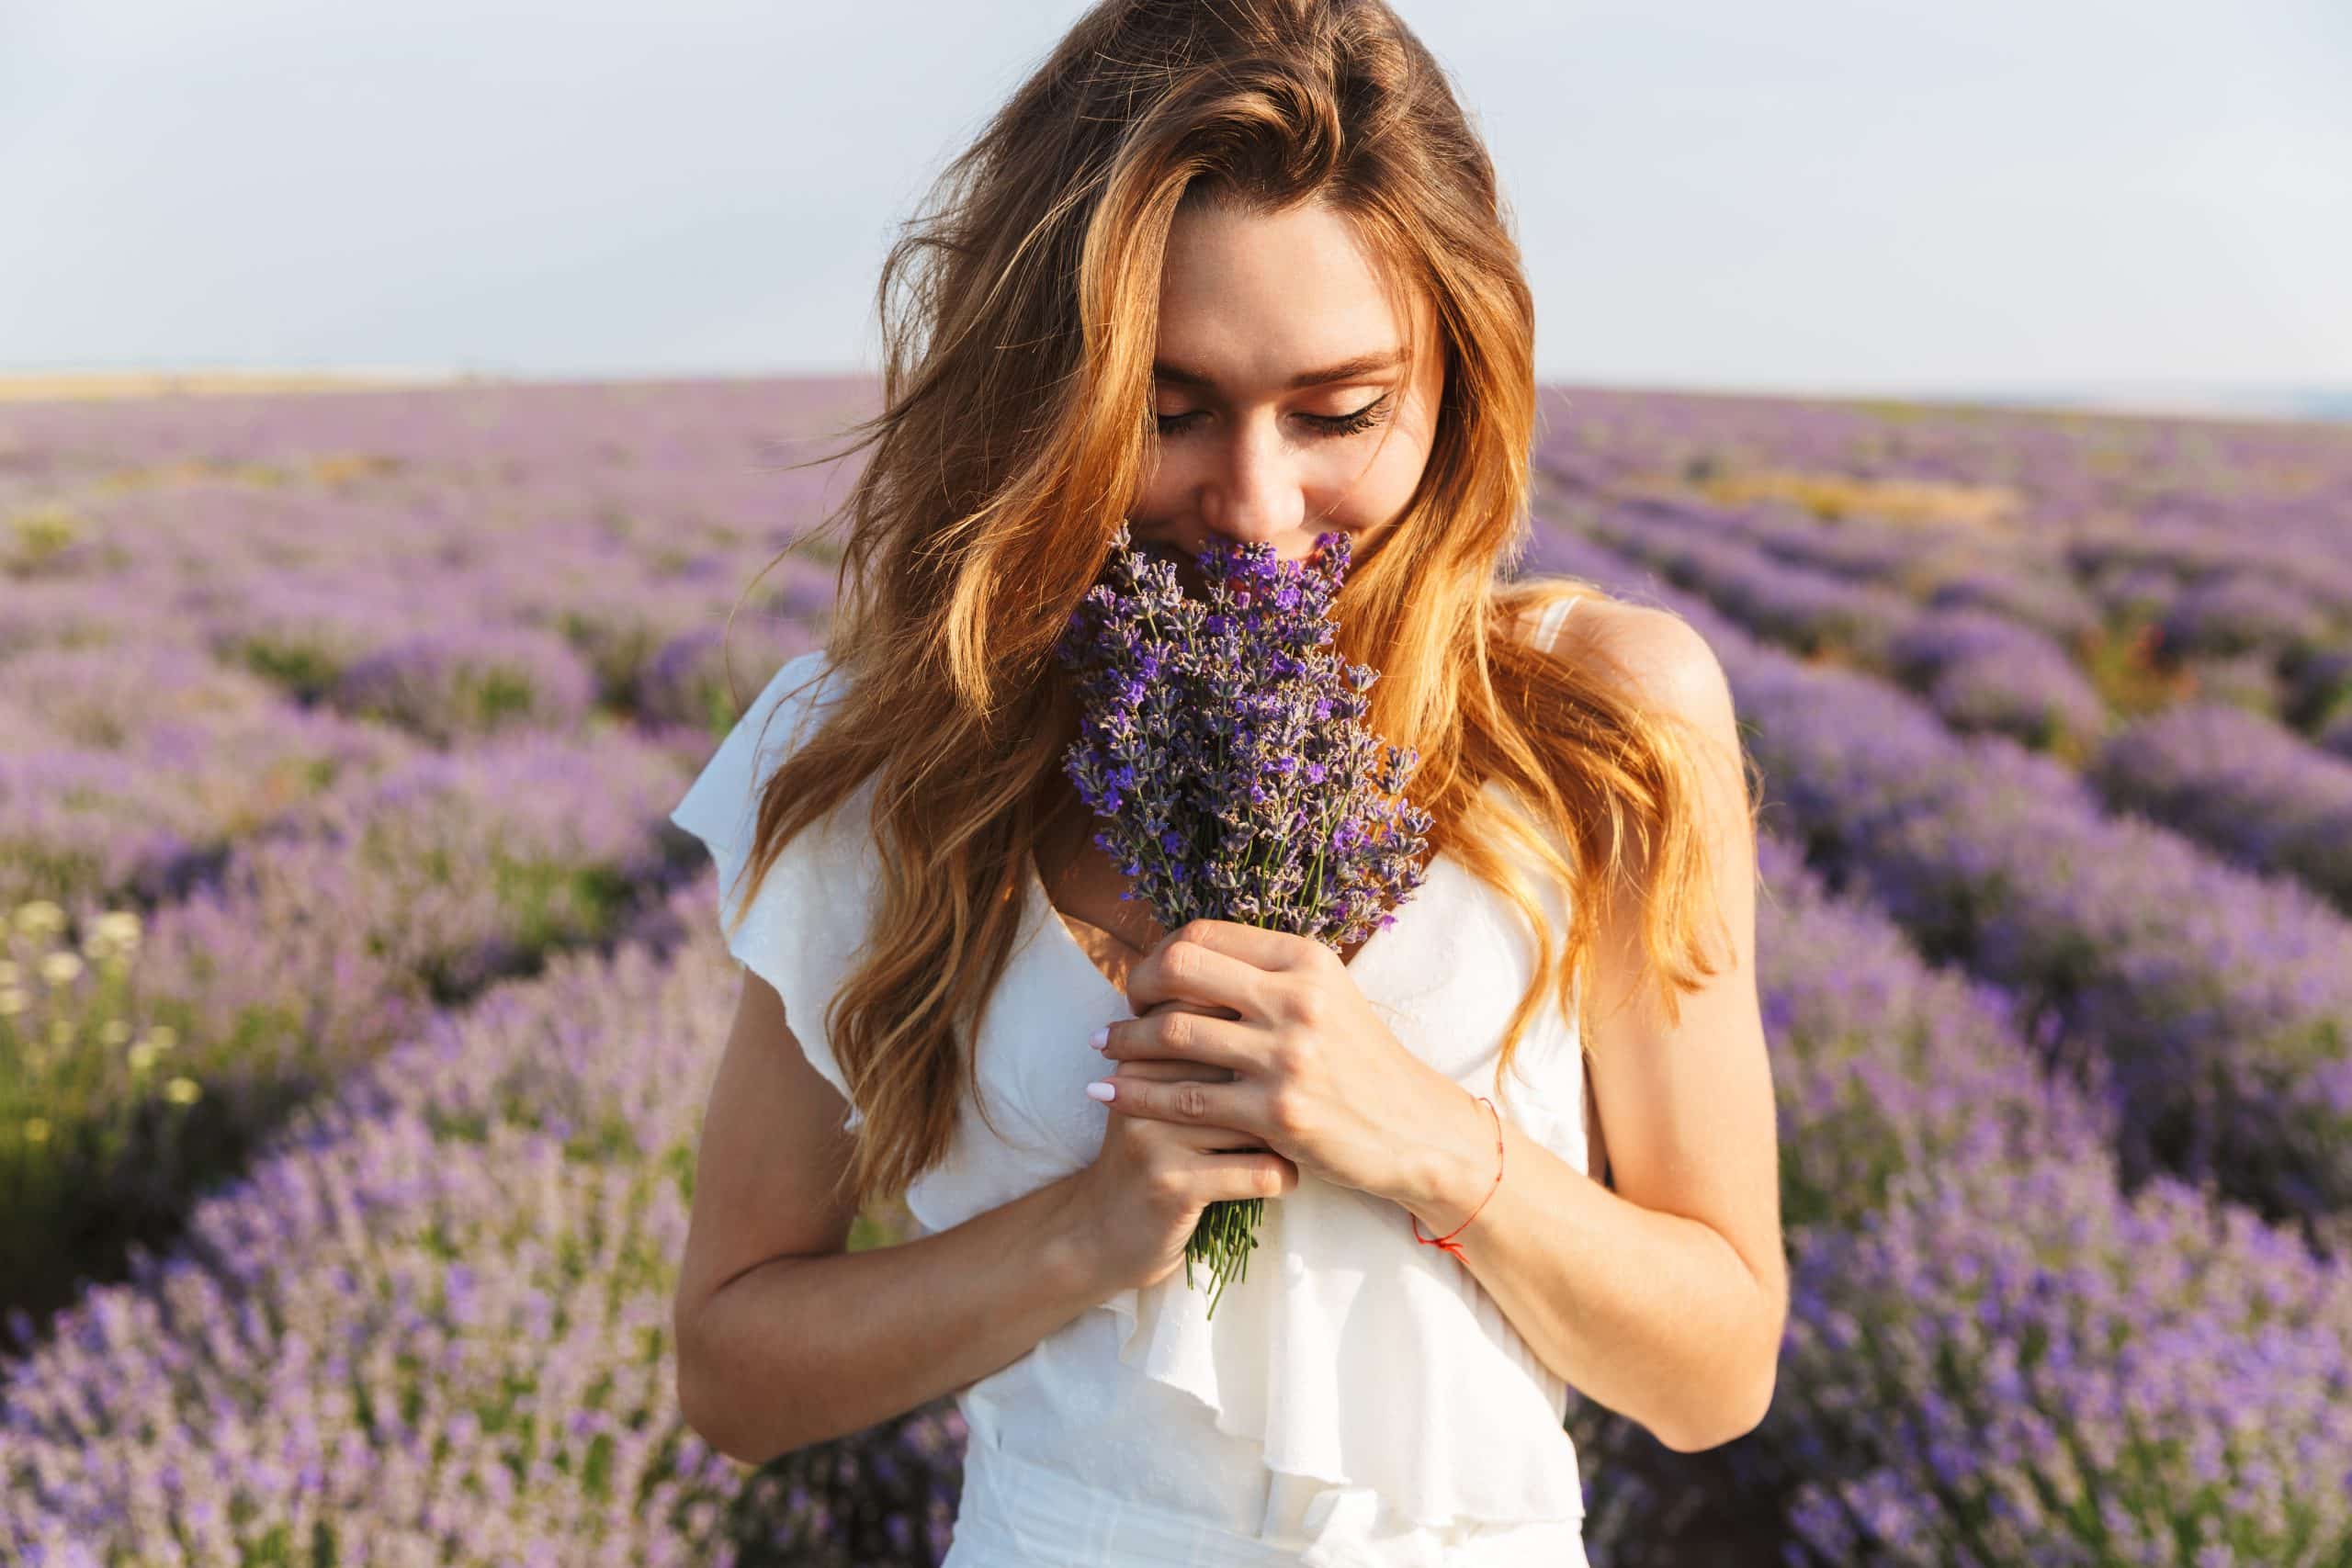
[{"x": 1143, "y": 1195}]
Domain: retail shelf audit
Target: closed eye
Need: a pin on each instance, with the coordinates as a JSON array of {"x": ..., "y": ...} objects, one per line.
[{"x": 1324, "y": 424}]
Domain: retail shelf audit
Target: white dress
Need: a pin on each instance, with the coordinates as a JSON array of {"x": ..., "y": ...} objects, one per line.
[{"x": 1359, "y": 1399}]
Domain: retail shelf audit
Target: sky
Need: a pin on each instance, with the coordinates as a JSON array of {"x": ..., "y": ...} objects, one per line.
[{"x": 1826, "y": 196}]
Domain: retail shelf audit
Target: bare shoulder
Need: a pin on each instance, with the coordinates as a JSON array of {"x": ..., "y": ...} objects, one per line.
[{"x": 1661, "y": 656}]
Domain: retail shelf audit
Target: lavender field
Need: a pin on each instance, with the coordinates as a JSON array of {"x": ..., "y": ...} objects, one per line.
[{"x": 357, "y": 1001}]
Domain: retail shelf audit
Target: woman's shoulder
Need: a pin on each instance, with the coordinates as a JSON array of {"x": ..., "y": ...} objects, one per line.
[{"x": 1662, "y": 655}]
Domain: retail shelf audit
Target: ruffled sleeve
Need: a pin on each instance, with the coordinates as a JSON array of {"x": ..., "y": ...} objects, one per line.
[{"x": 810, "y": 921}]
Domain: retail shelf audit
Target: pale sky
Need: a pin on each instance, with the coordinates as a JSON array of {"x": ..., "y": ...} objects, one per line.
[{"x": 1878, "y": 195}]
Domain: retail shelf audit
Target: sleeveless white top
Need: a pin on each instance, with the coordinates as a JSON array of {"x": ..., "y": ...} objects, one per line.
[{"x": 1359, "y": 1398}]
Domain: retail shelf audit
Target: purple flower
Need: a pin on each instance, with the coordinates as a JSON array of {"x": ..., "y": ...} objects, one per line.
[{"x": 2243, "y": 785}]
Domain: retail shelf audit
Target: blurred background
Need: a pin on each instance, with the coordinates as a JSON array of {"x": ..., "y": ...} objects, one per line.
[{"x": 397, "y": 418}]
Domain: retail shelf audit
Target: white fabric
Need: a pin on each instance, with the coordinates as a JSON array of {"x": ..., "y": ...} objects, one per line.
[
  {"x": 1359, "y": 1399},
  {"x": 802, "y": 958}
]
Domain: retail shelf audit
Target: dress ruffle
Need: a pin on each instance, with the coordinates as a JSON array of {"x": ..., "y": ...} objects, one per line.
[
  {"x": 806, "y": 928},
  {"x": 1374, "y": 1366}
]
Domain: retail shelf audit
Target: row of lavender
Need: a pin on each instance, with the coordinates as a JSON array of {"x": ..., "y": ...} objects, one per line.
[
  {"x": 2220, "y": 1001},
  {"x": 2232, "y": 778},
  {"x": 141, "y": 1051},
  {"x": 2218, "y": 549},
  {"x": 432, "y": 1326},
  {"x": 238, "y": 857},
  {"x": 1973, "y": 1418},
  {"x": 2271, "y": 630},
  {"x": 2189, "y": 498},
  {"x": 588, "y": 571}
]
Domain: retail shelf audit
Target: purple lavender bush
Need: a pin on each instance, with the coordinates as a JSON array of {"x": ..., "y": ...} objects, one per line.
[
  {"x": 1982, "y": 671},
  {"x": 2044, "y": 598},
  {"x": 434, "y": 1322},
  {"x": 2221, "y": 1001},
  {"x": 2318, "y": 684},
  {"x": 1227, "y": 758},
  {"x": 2337, "y": 737},
  {"x": 135, "y": 767},
  {"x": 2291, "y": 554},
  {"x": 305, "y": 632},
  {"x": 697, "y": 677},
  {"x": 1809, "y": 610},
  {"x": 2243, "y": 785},
  {"x": 463, "y": 682},
  {"x": 2016, "y": 1364},
  {"x": 2032, "y": 693},
  {"x": 2242, "y": 612},
  {"x": 1882, "y": 1064},
  {"x": 1859, "y": 548},
  {"x": 1977, "y": 670},
  {"x": 320, "y": 942}
]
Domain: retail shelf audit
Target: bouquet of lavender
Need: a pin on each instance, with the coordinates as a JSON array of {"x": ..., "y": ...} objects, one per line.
[{"x": 1227, "y": 757}]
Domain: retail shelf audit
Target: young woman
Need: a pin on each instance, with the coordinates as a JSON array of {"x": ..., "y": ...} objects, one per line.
[{"x": 1230, "y": 271}]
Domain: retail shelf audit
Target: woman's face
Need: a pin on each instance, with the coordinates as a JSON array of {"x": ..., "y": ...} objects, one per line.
[{"x": 1260, "y": 442}]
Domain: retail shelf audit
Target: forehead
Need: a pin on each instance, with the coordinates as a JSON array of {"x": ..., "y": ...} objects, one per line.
[{"x": 1254, "y": 297}]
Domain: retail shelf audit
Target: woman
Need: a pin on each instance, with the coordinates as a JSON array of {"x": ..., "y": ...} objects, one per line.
[{"x": 1233, "y": 271}]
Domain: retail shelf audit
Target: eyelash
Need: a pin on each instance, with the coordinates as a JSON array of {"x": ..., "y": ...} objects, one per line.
[{"x": 1355, "y": 423}]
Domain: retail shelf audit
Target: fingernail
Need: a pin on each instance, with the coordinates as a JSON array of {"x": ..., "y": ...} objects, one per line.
[
  {"x": 1101, "y": 1088},
  {"x": 1100, "y": 1038}
]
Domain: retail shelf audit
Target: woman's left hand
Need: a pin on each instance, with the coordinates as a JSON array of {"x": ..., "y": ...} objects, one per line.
[{"x": 1317, "y": 1075}]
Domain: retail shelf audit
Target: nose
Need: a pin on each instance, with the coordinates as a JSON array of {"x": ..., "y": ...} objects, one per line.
[{"x": 1252, "y": 495}]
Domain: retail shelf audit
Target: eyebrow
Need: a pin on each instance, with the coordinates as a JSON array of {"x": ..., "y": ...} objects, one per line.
[{"x": 1354, "y": 369}]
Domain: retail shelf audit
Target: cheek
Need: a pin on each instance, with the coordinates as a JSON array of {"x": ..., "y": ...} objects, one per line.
[
  {"x": 1366, "y": 490},
  {"x": 1384, "y": 480}
]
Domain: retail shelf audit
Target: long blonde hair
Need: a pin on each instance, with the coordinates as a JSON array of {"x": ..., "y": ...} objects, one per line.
[{"x": 1019, "y": 314}]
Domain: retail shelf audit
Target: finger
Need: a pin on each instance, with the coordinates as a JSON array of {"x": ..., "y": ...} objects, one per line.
[
  {"x": 1253, "y": 1176},
  {"x": 1217, "y": 1141},
  {"x": 1235, "y": 1107},
  {"x": 1181, "y": 1033},
  {"x": 1261, "y": 945},
  {"x": 1206, "y": 964},
  {"x": 1200, "y": 1138},
  {"x": 1175, "y": 1068}
]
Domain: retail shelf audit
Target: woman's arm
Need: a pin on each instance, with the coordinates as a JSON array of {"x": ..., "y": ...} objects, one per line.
[
  {"x": 801, "y": 1350},
  {"x": 1665, "y": 1300},
  {"x": 785, "y": 1338}
]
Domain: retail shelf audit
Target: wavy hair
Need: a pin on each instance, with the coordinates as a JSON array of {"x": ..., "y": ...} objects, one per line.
[{"x": 1019, "y": 313}]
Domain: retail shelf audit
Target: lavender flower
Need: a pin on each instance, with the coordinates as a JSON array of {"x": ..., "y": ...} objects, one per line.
[
  {"x": 432, "y": 1322},
  {"x": 1982, "y": 671},
  {"x": 2242, "y": 612},
  {"x": 2337, "y": 736},
  {"x": 2021, "y": 1364},
  {"x": 2243, "y": 785},
  {"x": 1227, "y": 757},
  {"x": 457, "y": 683},
  {"x": 2218, "y": 999}
]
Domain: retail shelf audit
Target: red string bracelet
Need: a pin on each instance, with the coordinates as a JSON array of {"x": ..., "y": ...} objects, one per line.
[{"x": 1446, "y": 1242}]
